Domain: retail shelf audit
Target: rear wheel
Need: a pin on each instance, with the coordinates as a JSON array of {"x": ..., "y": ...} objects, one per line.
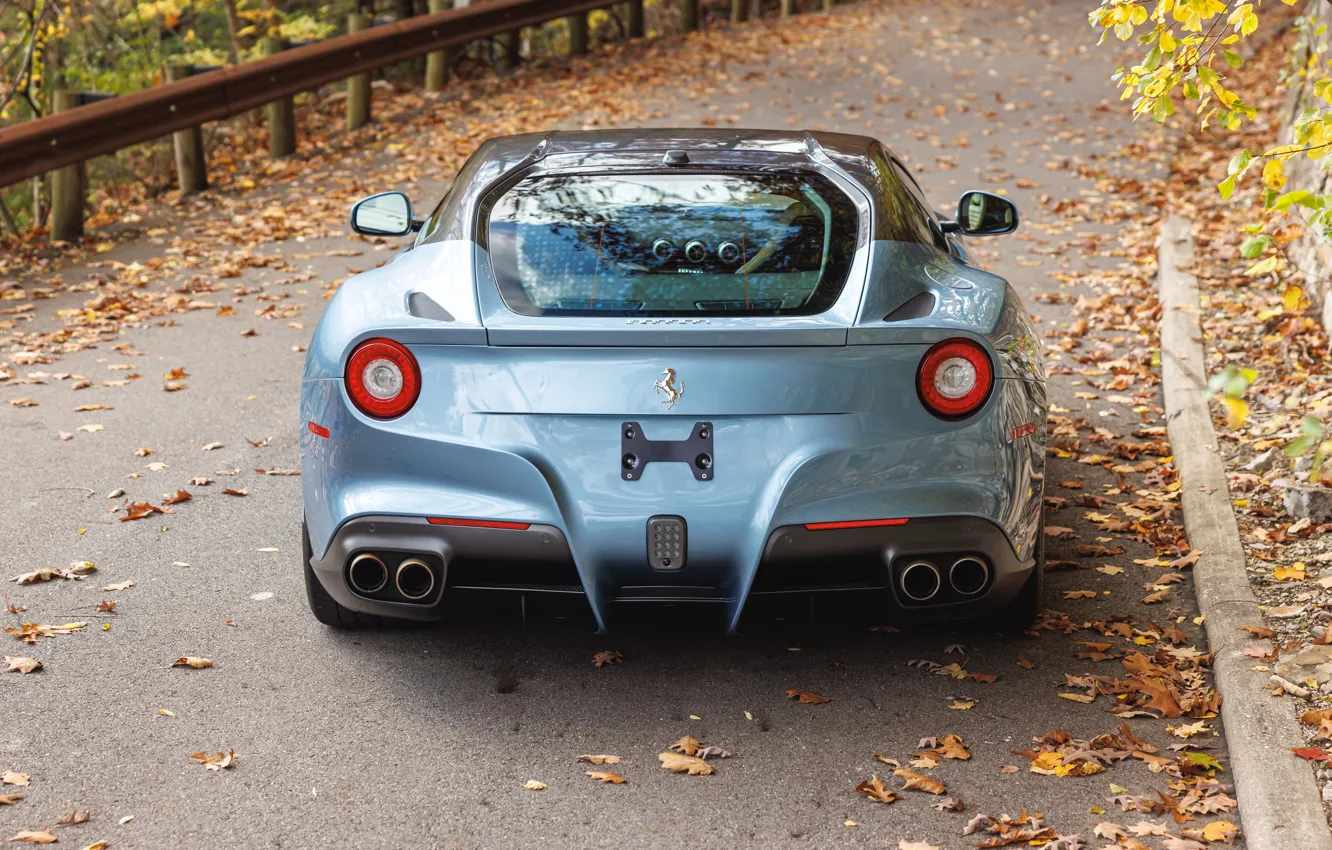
[
  {"x": 1022, "y": 611},
  {"x": 325, "y": 607}
]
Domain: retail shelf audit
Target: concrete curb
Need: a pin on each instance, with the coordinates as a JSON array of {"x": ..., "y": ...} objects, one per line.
[{"x": 1279, "y": 804}]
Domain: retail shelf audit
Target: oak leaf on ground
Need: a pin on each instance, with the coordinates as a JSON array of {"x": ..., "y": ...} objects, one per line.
[
  {"x": 919, "y": 782},
  {"x": 215, "y": 761},
  {"x": 806, "y": 697},
  {"x": 599, "y": 759},
  {"x": 13, "y": 777},
  {"x": 611, "y": 656},
  {"x": 876, "y": 790},
  {"x": 22, "y": 664},
  {"x": 192, "y": 661},
  {"x": 32, "y": 836},
  {"x": 678, "y": 763},
  {"x": 688, "y": 745},
  {"x": 607, "y": 776}
]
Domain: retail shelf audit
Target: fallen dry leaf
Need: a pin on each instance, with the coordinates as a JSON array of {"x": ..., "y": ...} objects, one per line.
[
  {"x": 612, "y": 656},
  {"x": 13, "y": 777},
  {"x": 216, "y": 761},
  {"x": 30, "y": 836},
  {"x": 30, "y": 632},
  {"x": 10, "y": 799},
  {"x": 22, "y": 664},
  {"x": 687, "y": 745},
  {"x": 919, "y": 782},
  {"x": 599, "y": 759},
  {"x": 685, "y": 764},
  {"x": 74, "y": 817},
  {"x": 876, "y": 790},
  {"x": 192, "y": 661},
  {"x": 807, "y": 697},
  {"x": 607, "y": 776},
  {"x": 120, "y": 585},
  {"x": 534, "y": 785}
]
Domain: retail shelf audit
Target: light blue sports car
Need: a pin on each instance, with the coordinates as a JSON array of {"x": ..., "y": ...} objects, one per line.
[{"x": 676, "y": 365}]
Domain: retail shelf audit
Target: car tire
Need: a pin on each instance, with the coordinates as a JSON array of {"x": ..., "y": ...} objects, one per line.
[
  {"x": 1022, "y": 611},
  {"x": 324, "y": 607}
]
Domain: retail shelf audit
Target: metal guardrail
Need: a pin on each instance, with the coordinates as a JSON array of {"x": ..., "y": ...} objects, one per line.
[{"x": 71, "y": 137}]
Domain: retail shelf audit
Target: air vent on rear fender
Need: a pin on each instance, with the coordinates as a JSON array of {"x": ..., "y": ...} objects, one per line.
[
  {"x": 422, "y": 306},
  {"x": 916, "y": 307}
]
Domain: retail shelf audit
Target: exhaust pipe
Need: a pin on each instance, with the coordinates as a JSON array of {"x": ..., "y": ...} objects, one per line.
[
  {"x": 968, "y": 575},
  {"x": 414, "y": 579},
  {"x": 920, "y": 581},
  {"x": 367, "y": 573}
]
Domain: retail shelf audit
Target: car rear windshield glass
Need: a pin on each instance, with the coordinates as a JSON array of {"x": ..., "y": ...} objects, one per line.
[{"x": 672, "y": 244}]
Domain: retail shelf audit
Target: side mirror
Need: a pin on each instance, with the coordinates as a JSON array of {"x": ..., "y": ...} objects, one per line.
[
  {"x": 983, "y": 214},
  {"x": 385, "y": 214}
]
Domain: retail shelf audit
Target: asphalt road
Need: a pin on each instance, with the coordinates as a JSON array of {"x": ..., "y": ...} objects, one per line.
[{"x": 423, "y": 737}]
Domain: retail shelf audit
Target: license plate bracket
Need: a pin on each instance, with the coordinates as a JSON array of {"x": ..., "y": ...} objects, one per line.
[{"x": 637, "y": 451}]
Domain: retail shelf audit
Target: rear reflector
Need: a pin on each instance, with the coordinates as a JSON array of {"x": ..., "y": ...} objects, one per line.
[
  {"x": 479, "y": 523},
  {"x": 318, "y": 430},
  {"x": 855, "y": 523}
]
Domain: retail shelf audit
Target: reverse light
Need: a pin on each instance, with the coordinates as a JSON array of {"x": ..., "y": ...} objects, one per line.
[
  {"x": 955, "y": 378},
  {"x": 383, "y": 379}
]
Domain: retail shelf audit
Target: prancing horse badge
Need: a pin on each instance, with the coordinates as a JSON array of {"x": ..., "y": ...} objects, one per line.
[{"x": 666, "y": 384}]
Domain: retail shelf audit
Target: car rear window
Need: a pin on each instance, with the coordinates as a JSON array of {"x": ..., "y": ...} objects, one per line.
[{"x": 672, "y": 244}]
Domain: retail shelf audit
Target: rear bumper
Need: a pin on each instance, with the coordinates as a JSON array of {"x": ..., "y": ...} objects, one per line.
[{"x": 795, "y": 560}]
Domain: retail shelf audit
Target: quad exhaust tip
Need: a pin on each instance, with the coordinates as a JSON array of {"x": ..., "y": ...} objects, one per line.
[
  {"x": 414, "y": 579},
  {"x": 367, "y": 573},
  {"x": 920, "y": 581},
  {"x": 969, "y": 575}
]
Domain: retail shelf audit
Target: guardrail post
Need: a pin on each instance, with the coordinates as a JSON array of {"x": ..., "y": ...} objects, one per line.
[
  {"x": 358, "y": 87},
  {"x": 788, "y": 8},
  {"x": 828, "y": 5},
  {"x": 689, "y": 15},
  {"x": 191, "y": 166},
  {"x": 437, "y": 62},
  {"x": 739, "y": 11},
  {"x": 578, "y": 33},
  {"x": 281, "y": 112},
  {"x": 513, "y": 45},
  {"x": 636, "y": 28},
  {"x": 68, "y": 184}
]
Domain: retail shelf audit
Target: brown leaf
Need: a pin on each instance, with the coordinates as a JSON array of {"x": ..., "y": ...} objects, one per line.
[
  {"x": 1080, "y": 594},
  {"x": 1257, "y": 631},
  {"x": 607, "y": 776},
  {"x": 177, "y": 497},
  {"x": 120, "y": 585},
  {"x": 74, "y": 817},
  {"x": 685, "y": 764},
  {"x": 30, "y": 632},
  {"x": 876, "y": 790},
  {"x": 33, "y": 837},
  {"x": 806, "y": 697},
  {"x": 107, "y": 606},
  {"x": 231, "y": 491},
  {"x": 919, "y": 782},
  {"x": 687, "y": 745},
  {"x": 216, "y": 761},
  {"x": 10, "y": 799},
  {"x": 13, "y": 777},
  {"x": 591, "y": 759},
  {"x": 612, "y": 656},
  {"x": 192, "y": 661}
]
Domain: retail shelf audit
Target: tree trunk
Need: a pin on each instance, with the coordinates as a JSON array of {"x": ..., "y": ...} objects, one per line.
[{"x": 233, "y": 27}]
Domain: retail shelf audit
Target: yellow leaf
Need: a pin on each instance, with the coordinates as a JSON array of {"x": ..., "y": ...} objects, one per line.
[
  {"x": 534, "y": 785},
  {"x": 1293, "y": 299},
  {"x": 1237, "y": 411},
  {"x": 1219, "y": 830},
  {"x": 1274, "y": 174}
]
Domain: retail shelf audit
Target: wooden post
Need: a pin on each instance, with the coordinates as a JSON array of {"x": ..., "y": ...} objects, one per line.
[
  {"x": 68, "y": 184},
  {"x": 281, "y": 112},
  {"x": 191, "y": 166},
  {"x": 358, "y": 87},
  {"x": 788, "y": 8},
  {"x": 437, "y": 63},
  {"x": 828, "y": 5},
  {"x": 739, "y": 11},
  {"x": 689, "y": 15},
  {"x": 513, "y": 46},
  {"x": 578, "y": 33},
  {"x": 636, "y": 28}
]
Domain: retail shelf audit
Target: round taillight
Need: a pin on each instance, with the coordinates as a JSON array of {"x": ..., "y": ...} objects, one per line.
[
  {"x": 383, "y": 379},
  {"x": 955, "y": 378}
]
